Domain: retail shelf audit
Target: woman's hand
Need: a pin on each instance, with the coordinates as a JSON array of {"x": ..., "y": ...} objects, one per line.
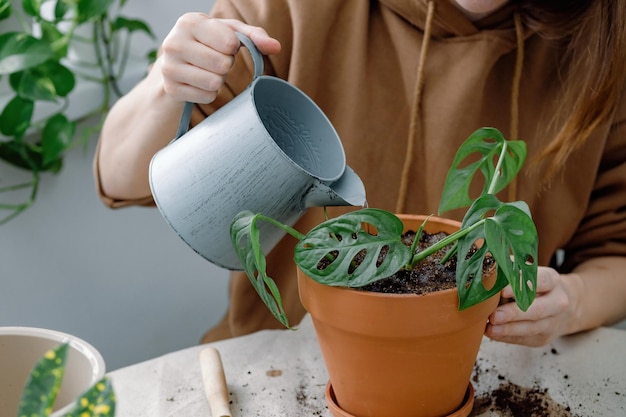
[
  {"x": 192, "y": 65},
  {"x": 199, "y": 51},
  {"x": 548, "y": 317}
]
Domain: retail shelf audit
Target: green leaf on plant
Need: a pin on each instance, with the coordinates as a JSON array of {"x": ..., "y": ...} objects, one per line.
[
  {"x": 509, "y": 235},
  {"x": 489, "y": 144},
  {"x": 15, "y": 117},
  {"x": 244, "y": 235},
  {"x": 338, "y": 242},
  {"x": 60, "y": 9},
  {"x": 11, "y": 152},
  {"x": 56, "y": 138},
  {"x": 132, "y": 25},
  {"x": 51, "y": 34},
  {"x": 19, "y": 51},
  {"x": 5, "y": 9},
  {"x": 28, "y": 156},
  {"x": 32, "y": 7},
  {"x": 46, "y": 82},
  {"x": 43, "y": 383},
  {"x": 92, "y": 9},
  {"x": 512, "y": 239},
  {"x": 98, "y": 401},
  {"x": 151, "y": 56}
]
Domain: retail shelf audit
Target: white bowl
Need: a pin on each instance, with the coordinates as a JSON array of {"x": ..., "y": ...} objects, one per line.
[{"x": 22, "y": 347}]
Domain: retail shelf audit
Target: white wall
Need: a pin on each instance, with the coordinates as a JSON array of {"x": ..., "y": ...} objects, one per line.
[{"x": 120, "y": 279}]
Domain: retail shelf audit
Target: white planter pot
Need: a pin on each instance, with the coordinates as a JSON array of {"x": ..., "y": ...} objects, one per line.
[{"x": 22, "y": 347}]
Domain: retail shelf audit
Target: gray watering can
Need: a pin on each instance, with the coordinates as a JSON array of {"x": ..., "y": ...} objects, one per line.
[{"x": 270, "y": 150}]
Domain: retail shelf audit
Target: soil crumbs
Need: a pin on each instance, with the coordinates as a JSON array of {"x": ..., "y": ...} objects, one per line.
[
  {"x": 507, "y": 399},
  {"x": 429, "y": 275},
  {"x": 513, "y": 400}
]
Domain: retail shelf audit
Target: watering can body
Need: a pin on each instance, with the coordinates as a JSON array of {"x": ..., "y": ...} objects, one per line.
[{"x": 270, "y": 150}]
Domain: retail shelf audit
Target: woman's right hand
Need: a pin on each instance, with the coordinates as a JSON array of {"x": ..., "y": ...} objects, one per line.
[
  {"x": 192, "y": 65},
  {"x": 199, "y": 51}
]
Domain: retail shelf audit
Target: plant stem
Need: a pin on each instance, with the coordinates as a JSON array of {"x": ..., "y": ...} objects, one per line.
[
  {"x": 17, "y": 209},
  {"x": 293, "y": 232},
  {"x": 443, "y": 243},
  {"x": 494, "y": 180},
  {"x": 416, "y": 239},
  {"x": 106, "y": 62}
]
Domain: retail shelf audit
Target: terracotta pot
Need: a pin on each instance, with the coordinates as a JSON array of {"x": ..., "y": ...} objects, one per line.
[{"x": 400, "y": 355}]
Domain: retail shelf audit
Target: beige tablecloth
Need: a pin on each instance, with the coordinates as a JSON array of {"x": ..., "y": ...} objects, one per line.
[{"x": 281, "y": 373}]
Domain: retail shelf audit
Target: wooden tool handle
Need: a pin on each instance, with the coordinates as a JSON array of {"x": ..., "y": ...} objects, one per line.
[{"x": 215, "y": 382}]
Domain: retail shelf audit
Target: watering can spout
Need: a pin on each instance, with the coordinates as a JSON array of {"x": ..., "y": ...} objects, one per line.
[{"x": 348, "y": 190}]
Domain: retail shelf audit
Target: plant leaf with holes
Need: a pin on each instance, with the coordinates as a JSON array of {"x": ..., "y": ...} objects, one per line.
[
  {"x": 244, "y": 235},
  {"x": 512, "y": 238},
  {"x": 343, "y": 238},
  {"x": 489, "y": 144},
  {"x": 508, "y": 234}
]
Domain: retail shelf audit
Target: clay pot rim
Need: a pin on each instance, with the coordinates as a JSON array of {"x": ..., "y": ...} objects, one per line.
[
  {"x": 447, "y": 225},
  {"x": 463, "y": 411}
]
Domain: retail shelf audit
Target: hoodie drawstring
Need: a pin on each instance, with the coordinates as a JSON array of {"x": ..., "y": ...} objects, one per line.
[
  {"x": 517, "y": 77},
  {"x": 417, "y": 98}
]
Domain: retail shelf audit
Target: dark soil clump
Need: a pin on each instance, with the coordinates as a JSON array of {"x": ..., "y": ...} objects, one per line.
[
  {"x": 428, "y": 275},
  {"x": 513, "y": 400}
]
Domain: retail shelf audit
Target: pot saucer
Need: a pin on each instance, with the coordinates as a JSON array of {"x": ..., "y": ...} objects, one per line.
[{"x": 463, "y": 411}]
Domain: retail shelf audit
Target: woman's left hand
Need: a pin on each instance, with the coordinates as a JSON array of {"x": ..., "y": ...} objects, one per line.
[{"x": 548, "y": 317}]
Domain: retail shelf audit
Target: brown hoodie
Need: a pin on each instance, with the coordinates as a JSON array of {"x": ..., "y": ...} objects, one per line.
[{"x": 358, "y": 60}]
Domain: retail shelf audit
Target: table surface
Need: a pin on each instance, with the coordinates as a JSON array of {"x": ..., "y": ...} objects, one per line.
[{"x": 282, "y": 373}]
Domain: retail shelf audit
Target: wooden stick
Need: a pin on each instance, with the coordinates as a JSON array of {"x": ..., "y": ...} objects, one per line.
[{"x": 215, "y": 382}]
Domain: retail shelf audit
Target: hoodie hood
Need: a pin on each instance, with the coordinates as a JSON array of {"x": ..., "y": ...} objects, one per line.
[
  {"x": 449, "y": 21},
  {"x": 442, "y": 21}
]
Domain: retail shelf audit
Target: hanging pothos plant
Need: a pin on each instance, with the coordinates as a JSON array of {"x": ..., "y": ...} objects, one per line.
[{"x": 35, "y": 66}]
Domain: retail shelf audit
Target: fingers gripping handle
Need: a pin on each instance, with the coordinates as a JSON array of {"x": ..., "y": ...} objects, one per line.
[{"x": 257, "y": 59}]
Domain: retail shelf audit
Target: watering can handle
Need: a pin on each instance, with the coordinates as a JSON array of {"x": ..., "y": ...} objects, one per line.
[{"x": 257, "y": 59}]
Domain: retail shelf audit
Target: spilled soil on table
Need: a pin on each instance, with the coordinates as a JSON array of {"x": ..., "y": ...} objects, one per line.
[{"x": 512, "y": 400}]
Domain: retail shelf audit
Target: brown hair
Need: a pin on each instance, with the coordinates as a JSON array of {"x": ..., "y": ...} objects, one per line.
[{"x": 594, "y": 36}]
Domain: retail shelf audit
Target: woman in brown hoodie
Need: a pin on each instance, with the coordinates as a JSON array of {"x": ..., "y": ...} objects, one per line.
[{"x": 405, "y": 82}]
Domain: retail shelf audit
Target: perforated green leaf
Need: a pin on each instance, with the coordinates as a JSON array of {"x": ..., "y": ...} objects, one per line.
[
  {"x": 244, "y": 235},
  {"x": 509, "y": 235},
  {"x": 487, "y": 144},
  {"x": 343, "y": 238}
]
